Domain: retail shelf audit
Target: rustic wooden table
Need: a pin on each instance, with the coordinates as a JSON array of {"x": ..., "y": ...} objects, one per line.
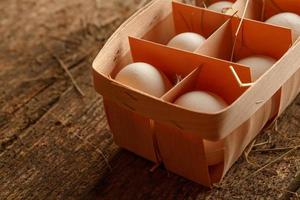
[{"x": 55, "y": 142}]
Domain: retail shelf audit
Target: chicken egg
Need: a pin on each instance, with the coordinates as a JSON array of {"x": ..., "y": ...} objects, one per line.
[
  {"x": 144, "y": 77},
  {"x": 288, "y": 20},
  {"x": 221, "y": 6},
  {"x": 201, "y": 101},
  {"x": 187, "y": 41},
  {"x": 259, "y": 64}
]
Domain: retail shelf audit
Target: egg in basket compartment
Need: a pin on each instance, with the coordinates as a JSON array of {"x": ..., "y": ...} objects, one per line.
[
  {"x": 201, "y": 101},
  {"x": 144, "y": 77}
]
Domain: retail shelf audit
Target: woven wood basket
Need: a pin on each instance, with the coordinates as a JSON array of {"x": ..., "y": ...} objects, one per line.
[{"x": 162, "y": 132}]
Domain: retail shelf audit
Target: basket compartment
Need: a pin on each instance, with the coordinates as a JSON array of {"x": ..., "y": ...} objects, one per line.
[
  {"x": 174, "y": 142},
  {"x": 262, "y": 10},
  {"x": 248, "y": 42},
  {"x": 185, "y": 18}
]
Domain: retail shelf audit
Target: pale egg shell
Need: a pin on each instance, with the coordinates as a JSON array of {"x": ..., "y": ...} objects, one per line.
[
  {"x": 144, "y": 77},
  {"x": 187, "y": 41},
  {"x": 287, "y": 20},
  {"x": 221, "y": 6},
  {"x": 259, "y": 64},
  {"x": 201, "y": 102},
  {"x": 206, "y": 102}
]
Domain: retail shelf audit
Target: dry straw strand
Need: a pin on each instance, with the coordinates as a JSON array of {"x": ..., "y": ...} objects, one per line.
[
  {"x": 263, "y": 10},
  {"x": 247, "y": 152},
  {"x": 237, "y": 78},
  {"x": 65, "y": 68},
  {"x": 270, "y": 163},
  {"x": 238, "y": 30}
]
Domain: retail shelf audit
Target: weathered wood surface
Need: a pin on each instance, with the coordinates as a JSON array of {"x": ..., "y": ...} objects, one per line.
[{"x": 54, "y": 142}]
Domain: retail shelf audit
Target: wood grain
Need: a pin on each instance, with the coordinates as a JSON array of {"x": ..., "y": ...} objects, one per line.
[{"x": 54, "y": 143}]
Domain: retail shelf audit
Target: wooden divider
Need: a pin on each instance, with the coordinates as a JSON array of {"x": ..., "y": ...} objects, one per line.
[
  {"x": 175, "y": 144},
  {"x": 189, "y": 18},
  {"x": 185, "y": 18},
  {"x": 249, "y": 42},
  {"x": 216, "y": 75}
]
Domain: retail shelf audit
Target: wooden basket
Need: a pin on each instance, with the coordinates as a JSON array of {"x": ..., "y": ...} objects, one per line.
[{"x": 160, "y": 131}]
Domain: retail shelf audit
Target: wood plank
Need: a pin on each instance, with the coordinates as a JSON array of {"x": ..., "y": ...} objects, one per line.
[
  {"x": 65, "y": 140},
  {"x": 54, "y": 143}
]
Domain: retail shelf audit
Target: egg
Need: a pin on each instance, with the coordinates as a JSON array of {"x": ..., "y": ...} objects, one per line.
[
  {"x": 144, "y": 77},
  {"x": 288, "y": 20},
  {"x": 221, "y": 6},
  {"x": 187, "y": 41},
  {"x": 259, "y": 64},
  {"x": 201, "y": 101}
]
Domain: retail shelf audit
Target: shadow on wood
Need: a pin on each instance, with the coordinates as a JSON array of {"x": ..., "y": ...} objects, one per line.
[{"x": 131, "y": 179}]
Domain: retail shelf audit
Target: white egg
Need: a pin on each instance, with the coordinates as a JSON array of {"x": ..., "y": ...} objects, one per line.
[
  {"x": 201, "y": 102},
  {"x": 206, "y": 102},
  {"x": 288, "y": 20},
  {"x": 259, "y": 64},
  {"x": 221, "y": 6},
  {"x": 144, "y": 77},
  {"x": 188, "y": 41}
]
